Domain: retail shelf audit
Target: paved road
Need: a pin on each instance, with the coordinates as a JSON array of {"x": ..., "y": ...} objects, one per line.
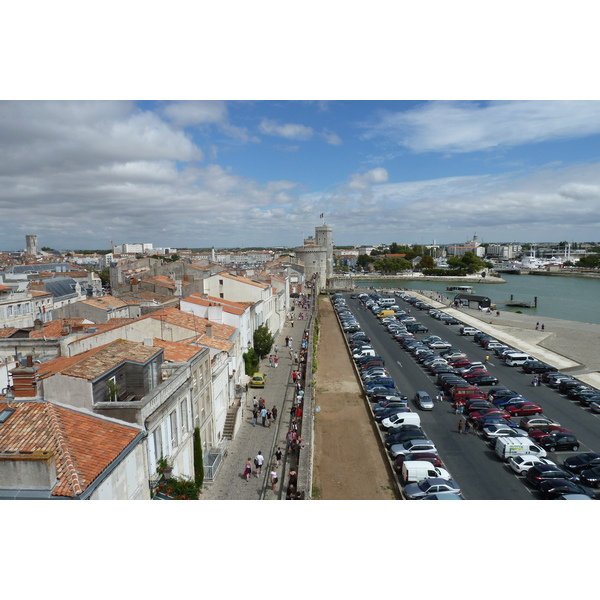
[{"x": 467, "y": 457}]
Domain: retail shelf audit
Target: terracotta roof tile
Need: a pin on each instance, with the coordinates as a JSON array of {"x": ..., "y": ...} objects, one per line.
[
  {"x": 83, "y": 445},
  {"x": 177, "y": 351},
  {"x": 174, "y": 316},
  {"x": 95, "y": 362}
]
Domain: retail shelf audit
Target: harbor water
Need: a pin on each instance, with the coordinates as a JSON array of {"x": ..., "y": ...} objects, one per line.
[{"x": 571, "y": 298}]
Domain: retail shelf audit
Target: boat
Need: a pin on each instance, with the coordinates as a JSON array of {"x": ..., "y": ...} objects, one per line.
[{"x": 461, "y": 289}]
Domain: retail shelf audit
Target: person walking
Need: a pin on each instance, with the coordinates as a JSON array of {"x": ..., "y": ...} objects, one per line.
[
  {"x": 263, "y": 416},
  {"x": 270, "y": 360},
  {"x": 287, "y": 341},
  {"x": 255, "y": 402},
  {"x": 460, "y": 426},
  {"x": 276, "y": 349},
  {"x": 248, "y": 469},
  {"x": 275, "y": 361},
  {"x": 254, "y": 416},
  {"x": 279, "y": 456},
  {"x": 258, "y": 461},
  {"x": 467, "y": 426},
  {"x": 273, "y": 478},
  {"x": 269, "y": 418},
  {"x": 274, "y": 413}
]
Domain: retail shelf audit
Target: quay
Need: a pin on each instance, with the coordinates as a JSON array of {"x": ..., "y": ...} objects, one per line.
[{"x": 571, "y": 346}]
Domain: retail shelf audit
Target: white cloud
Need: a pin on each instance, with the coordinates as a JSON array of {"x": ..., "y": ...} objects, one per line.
[
  {"x": 290, "y": 131},
  {"x": 190, "y": 112},
  {"x": 459, "y": 127}
]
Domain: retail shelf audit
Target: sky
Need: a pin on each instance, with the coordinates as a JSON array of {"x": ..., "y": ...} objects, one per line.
[
  {"x": 240, "y": 125},
  {"x": 81, "y": 174}
]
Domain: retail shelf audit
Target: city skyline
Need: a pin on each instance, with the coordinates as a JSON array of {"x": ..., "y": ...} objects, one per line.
[{"x": 221, "y": 174}]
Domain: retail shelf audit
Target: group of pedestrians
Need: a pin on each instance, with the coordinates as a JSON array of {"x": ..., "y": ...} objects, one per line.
[
  {"x": 466, "y": 427},
  {"x": 259, "y": 409}
]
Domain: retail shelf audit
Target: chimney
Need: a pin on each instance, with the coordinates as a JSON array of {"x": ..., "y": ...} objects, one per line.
[
  {"x": 209, "y": 330},
  {"x": 38, "y": 324},
  {"x": 148, "y": 342},
  {"x": 24, "y": 383}
]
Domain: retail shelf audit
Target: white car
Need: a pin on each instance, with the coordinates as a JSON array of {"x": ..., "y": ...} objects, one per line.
[
  {"x": 521, "y": 463},
  {"x": 413, "y": 447},
  {"x": 492, "y": 431}
]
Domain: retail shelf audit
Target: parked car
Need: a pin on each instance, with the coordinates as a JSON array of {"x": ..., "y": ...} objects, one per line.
[
  {"x": 590, "y": 476},
  {"x": 559, "y": 441},
  {"x": 492, "y": 431},
  {"x": 538, "y": 473},
  {"x": 523, "y": 462},
  {"x": 440, "y": 344},
  {"x": 578, "y": 463},
  {"x": 518, "y": 409},
  {"x": 413, "y": 447},
  {"x": 434, "y": 459},
  {"x": 537, "y": 421},
  {"x": 434, "y": 485},
  {"x": 552, "y": 489},
  {"x": 537, "y": 433},
  {"x": 536, "y": 366},
  {"x": 484, "y": 379}
]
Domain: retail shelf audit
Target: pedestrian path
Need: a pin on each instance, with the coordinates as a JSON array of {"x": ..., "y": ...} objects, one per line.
[{"x": 279, "y": 391}]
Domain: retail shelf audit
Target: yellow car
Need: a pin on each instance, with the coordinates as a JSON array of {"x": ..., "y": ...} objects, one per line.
[{"x": 258, "y": 380}]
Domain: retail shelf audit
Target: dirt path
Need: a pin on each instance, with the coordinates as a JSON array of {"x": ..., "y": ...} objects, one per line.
[{"x": 348, "y": 462}]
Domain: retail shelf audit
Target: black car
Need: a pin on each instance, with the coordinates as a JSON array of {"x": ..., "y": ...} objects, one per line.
[
  {"x": 484, "y": 380},
  {"x": 591, "y": 476},
  {"x": 417, "y": 328},
  {"x": 539, "y": 473},
  {"x": 536, "y": 366},
  {"x": 588, "y": 400},
  {"x": 559, "y": 441},
  {"x": 404, "y": 436},
  {"x": 550, "y": 489},
  {"x": 578, "y": 463}
]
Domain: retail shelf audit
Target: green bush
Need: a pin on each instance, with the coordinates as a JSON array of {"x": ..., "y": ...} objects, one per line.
[{"x": 250, "y": 362}]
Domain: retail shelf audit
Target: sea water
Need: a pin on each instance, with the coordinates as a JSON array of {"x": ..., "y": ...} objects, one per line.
[{"x": 572, "y": 298}]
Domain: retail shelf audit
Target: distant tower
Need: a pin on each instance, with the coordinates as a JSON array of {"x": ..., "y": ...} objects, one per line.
[
  {"x": 324, "y": 239},
  {"x": 32, "y": 244}
]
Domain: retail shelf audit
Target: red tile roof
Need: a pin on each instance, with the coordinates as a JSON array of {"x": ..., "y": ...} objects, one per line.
[
  {"x": 97, "y": 361},
  {"x": 83, "y": 445}
]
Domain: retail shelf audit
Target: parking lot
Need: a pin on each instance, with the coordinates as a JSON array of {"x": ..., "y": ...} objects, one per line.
[{"x": 469, "y": 458}]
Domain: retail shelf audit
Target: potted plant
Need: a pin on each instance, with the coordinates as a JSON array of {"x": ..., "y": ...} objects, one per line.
[{"x": 163, "y": 467}]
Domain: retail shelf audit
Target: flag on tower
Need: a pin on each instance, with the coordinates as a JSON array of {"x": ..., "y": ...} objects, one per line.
[{"x": 321, "y": 215}]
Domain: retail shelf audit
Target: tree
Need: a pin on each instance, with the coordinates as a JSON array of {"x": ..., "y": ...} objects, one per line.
[
  {"x": 468, "y": 262},
  {"x": 391, "y": 265},
  {"x": 427, "y": 262},
  {"x": 394, "y": 248},
  {"x": 263, "y": 341},
  {"x": 250, "y": 362},
  {"x": 364, "y": 260},
  {"x": 104, "y": 276},
  {"x": 198, "y": 459},
  {"x": 589, "y": 262}
]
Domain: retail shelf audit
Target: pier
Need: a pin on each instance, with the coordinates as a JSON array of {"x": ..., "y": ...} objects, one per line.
[{"x": 523, "y": 304}]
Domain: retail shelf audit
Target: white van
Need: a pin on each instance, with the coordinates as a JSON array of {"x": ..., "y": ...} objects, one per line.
[
  {"x": 515, "y": 359},
  {"x": 364, "y": 352},
  {"x": 401, "y": 418},
  {"x": 511, "y": 446},
  {"x": 386, "y": 301},
  {"x": 417, "y": 470}
]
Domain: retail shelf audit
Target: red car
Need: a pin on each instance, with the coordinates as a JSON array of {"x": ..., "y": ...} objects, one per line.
[
  {"x": 541, "y": 432},
  {"x": 459, "y": 363},
  {"x": 521, "y": 409},
  {"x": 472, "y": 374},
  {"x": 489, "y": 412},
  {"x": 428, "y": 456}
]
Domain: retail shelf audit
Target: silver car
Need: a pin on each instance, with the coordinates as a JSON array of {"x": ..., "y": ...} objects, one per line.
[
  {"x": 433, "y": 485},
  {"x": 423, "y": 401}
]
